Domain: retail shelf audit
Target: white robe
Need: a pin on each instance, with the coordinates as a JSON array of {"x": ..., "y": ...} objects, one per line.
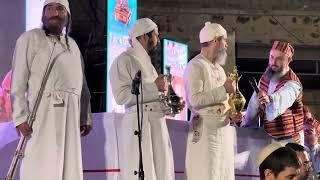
[
  {"x": 156, "y": 144},
  {"x": 210, "y": 155},
  {"x": 54, "y": 151}
]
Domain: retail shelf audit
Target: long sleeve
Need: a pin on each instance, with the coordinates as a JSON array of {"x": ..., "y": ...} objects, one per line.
[
  {"x": 85, "y": 112},
  {"x": 197, "y": 97},
  {"x": 121, "y": 74},
  {"x": 20, "y": 76},
  {"x": 251, "y": 118},
  {"x": 282, "y": 99}
]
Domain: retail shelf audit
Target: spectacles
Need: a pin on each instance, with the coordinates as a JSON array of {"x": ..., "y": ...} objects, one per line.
[{"x": 307, "y": 163}]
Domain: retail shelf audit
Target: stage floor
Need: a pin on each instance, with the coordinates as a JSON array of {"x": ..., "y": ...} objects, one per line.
[{"x": 100, "y": 153}]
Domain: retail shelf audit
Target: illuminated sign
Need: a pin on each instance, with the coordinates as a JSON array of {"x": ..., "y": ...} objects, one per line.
[{"x": 121, "y": 15}]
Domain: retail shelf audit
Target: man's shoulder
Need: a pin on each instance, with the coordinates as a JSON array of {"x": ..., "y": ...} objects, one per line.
[
  {"x": 31, "y": 34},
  {"x": 122, "y": 59},
  {"x": 71, "y": 40},
  {"x": 124, "y": 56},
  {"x": 195, "y": 60},
  {"x": 195, "y": 63}
]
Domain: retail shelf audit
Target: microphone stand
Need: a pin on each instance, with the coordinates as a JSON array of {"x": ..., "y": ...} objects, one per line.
[{"x": 135, "y": 91}]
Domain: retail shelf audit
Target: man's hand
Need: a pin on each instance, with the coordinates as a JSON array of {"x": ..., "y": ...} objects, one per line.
[
  {"x": 24, "y": 129},
  {"x": 161, "y": 83},
  {"x": 230, "y": 86},
  {"x": 263, "y": 98},
  {"x": 85, "y": 129},
  {"x": 236, "y": 118}
]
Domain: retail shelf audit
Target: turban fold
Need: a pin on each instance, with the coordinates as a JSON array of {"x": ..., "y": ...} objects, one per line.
[
  {"x": 211, "y": 31},
  {"x": 64, "y": 3},
  {"x": 142, "y": 26}
]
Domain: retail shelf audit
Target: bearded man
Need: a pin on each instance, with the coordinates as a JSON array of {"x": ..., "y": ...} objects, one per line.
[
  {"x": 210, "y": 151},
  {"x": 53, "y": 150},
  {"x": 279, "y": 101},
  {"x": 156, "y": 144}
]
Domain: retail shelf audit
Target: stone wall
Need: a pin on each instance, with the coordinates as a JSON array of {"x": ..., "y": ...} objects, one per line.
[{"x": 252, "y": 21}]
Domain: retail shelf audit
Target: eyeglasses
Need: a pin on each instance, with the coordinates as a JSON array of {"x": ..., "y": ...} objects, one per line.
[{"x": 307, "y": 163}]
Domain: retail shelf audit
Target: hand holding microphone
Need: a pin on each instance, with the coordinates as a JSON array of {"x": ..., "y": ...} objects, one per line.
[{"x": 263, "y": 98}]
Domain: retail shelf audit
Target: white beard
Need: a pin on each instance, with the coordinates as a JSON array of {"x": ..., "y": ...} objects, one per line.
[{"x": 221, "y": 58}]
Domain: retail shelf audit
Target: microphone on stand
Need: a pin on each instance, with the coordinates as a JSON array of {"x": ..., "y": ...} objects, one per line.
[
  {"x": 136, "y": 83},
  {"x": 135, "y": 90}
]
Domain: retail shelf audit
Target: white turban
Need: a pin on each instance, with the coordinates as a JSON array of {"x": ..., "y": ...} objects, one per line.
[
  {"x": 211, "y": 31},
  {"x": 142, "y": 26},
  {"x": 64, "y": 3}
]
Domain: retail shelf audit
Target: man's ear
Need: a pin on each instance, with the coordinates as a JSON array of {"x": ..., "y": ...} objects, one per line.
[
  {"x": 145, "y": 36},
  {"x": 268, "y": 173},
  {"x": 215, "y": 43}
]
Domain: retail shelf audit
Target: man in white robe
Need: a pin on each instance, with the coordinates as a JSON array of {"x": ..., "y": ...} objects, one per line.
[
  {"x": 156, "y": 144},
  {"x": 53, "y": 150},
  {"x": 210, "y": 151}
]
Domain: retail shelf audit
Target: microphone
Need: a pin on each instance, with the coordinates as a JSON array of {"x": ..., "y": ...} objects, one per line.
[
  {"x": 136, "y": 83},
  {"x": 254, "y": 84}
]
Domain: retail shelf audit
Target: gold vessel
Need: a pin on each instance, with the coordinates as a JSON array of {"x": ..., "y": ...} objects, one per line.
[{"x": 236, "y": 100}]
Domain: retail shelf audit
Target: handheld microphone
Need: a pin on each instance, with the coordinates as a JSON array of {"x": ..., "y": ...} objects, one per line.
[{"x": 254, "y": 84}]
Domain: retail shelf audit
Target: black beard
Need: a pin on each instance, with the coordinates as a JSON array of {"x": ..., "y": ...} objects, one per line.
[
  {"x": 55, "y": 29},
  {"x": 152, "y": 50}
]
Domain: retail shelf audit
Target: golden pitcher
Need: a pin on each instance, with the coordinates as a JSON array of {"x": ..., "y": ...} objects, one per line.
[{"x": 236, "y": 100}]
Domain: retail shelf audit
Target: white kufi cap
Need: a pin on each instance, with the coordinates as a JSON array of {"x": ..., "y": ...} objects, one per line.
[
  {"x": 64, "y": 3},
  {"x": 267, "y": 151},
  {"x": 142, "y": 26},
  {"x": 211, "y": 31}
]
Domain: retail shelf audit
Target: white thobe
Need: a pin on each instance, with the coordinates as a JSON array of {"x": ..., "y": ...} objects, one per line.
[
  {"x": 156, "y": 144},
  {"x": 212, "y": 155},
  {"x": 54, "y": 151}
]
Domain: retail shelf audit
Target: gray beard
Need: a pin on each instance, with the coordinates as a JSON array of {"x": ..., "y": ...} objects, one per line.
[
  {"x": 221, "y": 58},
  {"x": 275, "y": 76}
]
